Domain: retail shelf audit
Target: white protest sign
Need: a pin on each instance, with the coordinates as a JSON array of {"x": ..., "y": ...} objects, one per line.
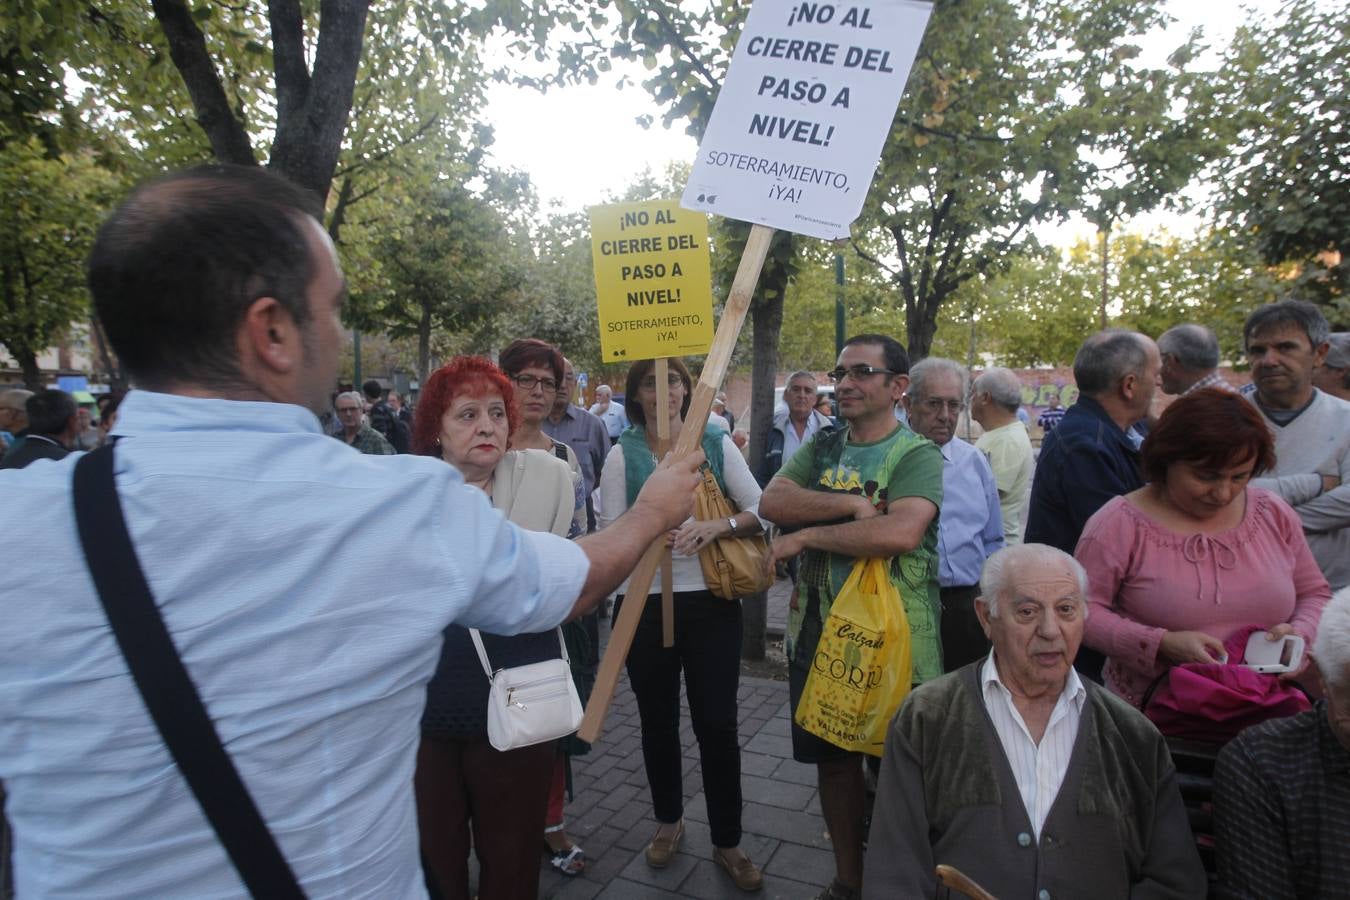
[{"x": 798, "y": 128}]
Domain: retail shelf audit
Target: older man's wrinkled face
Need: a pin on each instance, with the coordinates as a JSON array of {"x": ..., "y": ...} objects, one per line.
[
  {"x": 1038, "y": 628},
  {"x": 935, "y": 408}
]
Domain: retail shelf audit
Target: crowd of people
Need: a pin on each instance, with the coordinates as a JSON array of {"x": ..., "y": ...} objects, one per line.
[{"x": 353, "y": 701}]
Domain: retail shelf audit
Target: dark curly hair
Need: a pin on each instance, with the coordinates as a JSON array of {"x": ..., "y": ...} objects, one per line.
[
  {"x": 463, "y": 374},
  {"x": 1212, "y": 428}
]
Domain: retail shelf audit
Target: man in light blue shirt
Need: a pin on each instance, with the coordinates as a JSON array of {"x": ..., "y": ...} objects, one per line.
[
  {"x": 970, "y": 526},
  {"x": 220, "y": 292}
]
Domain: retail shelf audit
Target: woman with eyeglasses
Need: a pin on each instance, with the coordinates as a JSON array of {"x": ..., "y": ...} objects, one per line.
[
  {"x": 463, "y": 785},
  {"x": 535, "y": 369},
  {"x": 707, "y": 630}
]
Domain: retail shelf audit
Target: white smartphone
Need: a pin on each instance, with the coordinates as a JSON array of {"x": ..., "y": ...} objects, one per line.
[{"x": 1273, "y": 657}]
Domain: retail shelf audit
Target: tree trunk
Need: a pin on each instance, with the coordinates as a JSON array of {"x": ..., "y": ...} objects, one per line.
[
  {"x": 28, "y": 364},
  {"x": 116, "y": 380},
  {"x": 424, "y": 344},
  {"x": 1106, "y": 270},
  {"x": 312, "y": 107},
  {"x": 920, "y": 328},
  {"x": 767, "y": 318}
]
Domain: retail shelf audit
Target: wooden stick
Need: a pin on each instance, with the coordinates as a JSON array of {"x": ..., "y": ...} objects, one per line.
[
  {"x": 691, "y": 434},
  {"x": 662, "y": 447}
]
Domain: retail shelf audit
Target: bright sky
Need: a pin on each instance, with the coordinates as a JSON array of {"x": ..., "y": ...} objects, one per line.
[{"x": 580, "y": 145}]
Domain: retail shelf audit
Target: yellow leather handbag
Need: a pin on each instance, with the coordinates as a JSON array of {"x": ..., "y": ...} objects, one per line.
[{"x": 732, "y": 566}]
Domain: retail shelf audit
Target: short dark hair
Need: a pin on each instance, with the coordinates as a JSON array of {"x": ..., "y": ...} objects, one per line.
[
  {"x": 892, "y": 351},
  {"x": 1210, "y": 427},
  {"x": 49, "y": 412},
  {"x": 1106, "y": 358},
  {"x": 1195, "y": 347},
  {"x": 177, "y": 265},
  {"x": 1288, "y": 312},
  {"x": 632, "y": 406},
  {"x": 372, "y": 389},
  {"x": 527, "y": 352}
]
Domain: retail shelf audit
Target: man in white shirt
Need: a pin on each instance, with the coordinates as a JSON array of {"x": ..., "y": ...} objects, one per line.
[
  {"x": 220, "y": 292},
  {"x": 994, "y": 403},
  {"x": 977, "y": 760},
  {"x": 609, "y": 412}
]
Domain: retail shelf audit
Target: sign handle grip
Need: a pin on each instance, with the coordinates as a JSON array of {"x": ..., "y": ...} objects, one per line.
[{"x": 691, "y": 434}]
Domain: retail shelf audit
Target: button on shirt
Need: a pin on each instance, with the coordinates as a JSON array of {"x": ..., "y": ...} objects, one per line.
[
  {"x": 253, "y": 528},
  {"x": 970, "y": 524},
  {"x": 1038, "y": 769}
]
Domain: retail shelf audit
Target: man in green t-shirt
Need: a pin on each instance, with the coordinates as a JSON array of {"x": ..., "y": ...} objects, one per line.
[{"x": 869, "y": 490}]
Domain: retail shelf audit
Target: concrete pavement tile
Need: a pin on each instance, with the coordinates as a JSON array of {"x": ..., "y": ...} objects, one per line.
[
  {"x": 798, "y": 828},
  {"x": 780, "y": 727},
  {"x": 669, "y": 878},
  {"x": 696, "y": 808},
  {"x": 632, "y": 761},
  {"x": 772, "y": 744},
  {"x": 623, "y": 889},
  {"x": 619, "y": 797},
  {"x": 571, "y": 889},
  {"x": 609, "y": 780},
  {"x": 808, "y": 864},
  {"x": 629, "y": 816},
  {"x": 607, "y": 867},
  {"x": 783, "y": 794},
  {"x": 698, "y": 842},
  {"x": 797, "y": 773},
  {"x": 758, "y": 764},
  {"x": 708, "y": 881}
]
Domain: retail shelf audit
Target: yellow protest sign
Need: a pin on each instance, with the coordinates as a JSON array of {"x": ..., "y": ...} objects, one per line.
[{"x": 653, "y": 280}]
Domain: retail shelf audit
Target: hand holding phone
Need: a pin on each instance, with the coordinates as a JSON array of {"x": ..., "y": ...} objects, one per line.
[{"x": 1273, "y": 657}]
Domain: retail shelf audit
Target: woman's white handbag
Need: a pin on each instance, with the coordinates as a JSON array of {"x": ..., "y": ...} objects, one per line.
[{"x": 531, "y": 704}]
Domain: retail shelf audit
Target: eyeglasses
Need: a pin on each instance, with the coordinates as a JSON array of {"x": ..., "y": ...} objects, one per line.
[
  {"x": 528, "y": 383},
  {"x": 857, "y": 373},
  {"x": 672, "y": 379},
  {"x": 937, "y": 404},
  {"x": 348, "y": 409}
]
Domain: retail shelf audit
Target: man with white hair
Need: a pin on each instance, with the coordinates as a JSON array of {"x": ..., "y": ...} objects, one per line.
[
  {"x": 994, "y": 402},
  {"x": 1026, "y": 778},
  {"x": 970, "y": 526},
  {"x": 609, "y": 412},
  {"x": 1282, "y": 788},
  {"x": 1333, "y": 377},
  {"x": 1190, "y": 360},
  {"x": 356, "y": 432}
]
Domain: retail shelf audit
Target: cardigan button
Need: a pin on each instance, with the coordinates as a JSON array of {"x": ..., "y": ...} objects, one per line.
[{"x": 1024, "y": 840}]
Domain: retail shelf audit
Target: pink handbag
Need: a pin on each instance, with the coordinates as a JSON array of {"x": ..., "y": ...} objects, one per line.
[{"x": 1212, "y": 702}]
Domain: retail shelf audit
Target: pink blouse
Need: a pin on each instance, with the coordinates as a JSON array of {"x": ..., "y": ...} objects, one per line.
[{"x": 1145, "y": 580}]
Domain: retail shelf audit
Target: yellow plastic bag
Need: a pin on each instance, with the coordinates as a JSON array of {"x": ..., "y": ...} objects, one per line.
[{"x": 862, "y": 668}]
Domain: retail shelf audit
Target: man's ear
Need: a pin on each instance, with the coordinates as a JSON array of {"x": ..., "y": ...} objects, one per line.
[
  {"x": 1128, "y": 385},
  {"x": 270, "y": 337},
  {"x": 899, "y": 385},
  {"x": 982, "y": 613}
]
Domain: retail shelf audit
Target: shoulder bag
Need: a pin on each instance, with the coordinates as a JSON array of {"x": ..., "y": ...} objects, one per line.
[
  {"x": 166, "y": 687},
  {"x": 530, "y": 704},
  {"x": 732, "y": 566}
]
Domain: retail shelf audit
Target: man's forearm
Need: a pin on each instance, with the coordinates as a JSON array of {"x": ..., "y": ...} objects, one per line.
[
  {"x": 874, "y": 537},
  {"x": 789, "y": 505},
  {"x": 614, "y": 552}
]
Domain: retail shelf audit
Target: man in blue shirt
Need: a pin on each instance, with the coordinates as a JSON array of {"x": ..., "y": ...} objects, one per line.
[
  {"x": 220, "y": 292},
  {"x": 970, "y": 525}
]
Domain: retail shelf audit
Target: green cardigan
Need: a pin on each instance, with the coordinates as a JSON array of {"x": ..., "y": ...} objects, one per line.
[{"x": 1117, "y": 828}]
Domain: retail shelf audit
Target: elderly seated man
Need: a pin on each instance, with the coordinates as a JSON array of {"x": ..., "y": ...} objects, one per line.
[
  {"x": 1030, "y": 781},
  {"x": 1282, "y": 789}
]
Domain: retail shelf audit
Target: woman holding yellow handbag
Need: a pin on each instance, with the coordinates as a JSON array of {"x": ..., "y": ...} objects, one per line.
[{"x": 707, "y": 630}]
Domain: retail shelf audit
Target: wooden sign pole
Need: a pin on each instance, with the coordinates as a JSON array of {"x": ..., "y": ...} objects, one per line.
[
  {"x": 691, "y": 434},
  {"x": 660, "y": 376}
]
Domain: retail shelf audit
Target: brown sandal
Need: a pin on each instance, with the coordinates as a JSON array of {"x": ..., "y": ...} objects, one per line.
[
  {"x": 744, "y": 874},
  {"x": 661, "y": 850}
]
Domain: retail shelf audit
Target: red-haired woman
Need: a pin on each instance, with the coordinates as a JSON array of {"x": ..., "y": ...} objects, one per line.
[
  {"x": 466, "y": 415},
  {"x": 1180, "y": 565}
]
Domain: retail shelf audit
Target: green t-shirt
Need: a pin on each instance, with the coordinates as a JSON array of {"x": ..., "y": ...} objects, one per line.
[{"x": 902, "y": 464}]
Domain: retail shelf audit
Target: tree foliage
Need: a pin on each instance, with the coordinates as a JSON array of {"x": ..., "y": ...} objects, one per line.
[
  {"x": 49, "y": 209},
  {"x": 1283, "y": 96},
  {"x": 1019, "y": 112}
]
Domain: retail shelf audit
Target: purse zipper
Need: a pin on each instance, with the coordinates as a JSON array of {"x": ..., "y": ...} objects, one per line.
[{"x": 512, "y": 701}]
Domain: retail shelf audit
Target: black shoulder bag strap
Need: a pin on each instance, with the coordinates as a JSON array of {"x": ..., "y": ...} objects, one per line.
[{"x": 165, "y": 686}]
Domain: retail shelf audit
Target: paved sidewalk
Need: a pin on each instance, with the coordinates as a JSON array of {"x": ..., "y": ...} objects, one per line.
[{"x": 611, "y": 816}]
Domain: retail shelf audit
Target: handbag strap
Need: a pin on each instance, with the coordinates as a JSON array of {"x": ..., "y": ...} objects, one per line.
[
  {"x": 166, "y": 687},
  {"x": 477, "y": 638}
]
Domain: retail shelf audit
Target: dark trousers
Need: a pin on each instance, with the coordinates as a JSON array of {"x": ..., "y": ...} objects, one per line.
[
  {"x": 500, "y": 796},
  {"x": 963, "y": 639},
  {"x": 708, "y": 650}
]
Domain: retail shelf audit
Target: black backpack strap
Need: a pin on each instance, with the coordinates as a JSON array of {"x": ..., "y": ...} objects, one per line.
[{"x": 167, "y": 689}]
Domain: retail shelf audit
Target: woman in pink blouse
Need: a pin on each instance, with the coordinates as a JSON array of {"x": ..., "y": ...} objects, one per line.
[{"x": 1179, "y": 565}]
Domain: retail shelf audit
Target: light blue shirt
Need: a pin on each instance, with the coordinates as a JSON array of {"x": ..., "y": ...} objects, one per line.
[
  {"x": 970, "y": 526},
  {"x": 265, "y": 543}
]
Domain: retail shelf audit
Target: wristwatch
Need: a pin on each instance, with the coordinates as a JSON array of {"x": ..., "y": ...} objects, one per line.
[{"x": 732, "y": 522}]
